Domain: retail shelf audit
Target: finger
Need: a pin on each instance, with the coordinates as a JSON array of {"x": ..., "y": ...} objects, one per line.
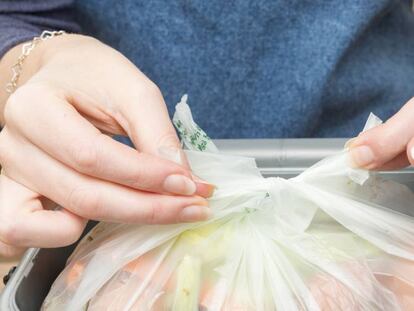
[
  {"x": 6, "y": 250},
  {"x": 204, "y": 188},
  {"x": 148, "y": 122},
  {"x": 410, "y": 151},
  {"x": 46, "y": 229},
  {"x": 26, "y": 224},
  {"x": 9, "y": 251},
  {"x": 93, "y": 198},
  {"x": 71, "y": 139},
  {"x": 377, "y": 146},
  {"x": 106, "y": 127},
  {"x": 399, "y": 162},
  {"x": 150, "y": 128}
]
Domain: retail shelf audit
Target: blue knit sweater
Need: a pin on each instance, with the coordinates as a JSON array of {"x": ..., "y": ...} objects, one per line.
[{"x": 252, "y": 68}]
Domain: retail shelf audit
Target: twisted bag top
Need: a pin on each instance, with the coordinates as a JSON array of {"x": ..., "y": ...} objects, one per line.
[{"x": 332, "y": 238}]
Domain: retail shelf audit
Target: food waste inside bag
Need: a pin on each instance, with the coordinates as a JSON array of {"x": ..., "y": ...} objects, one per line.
[{"x": 333, "y": 238}]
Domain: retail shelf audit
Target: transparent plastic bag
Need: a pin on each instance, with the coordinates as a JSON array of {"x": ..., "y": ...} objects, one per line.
[{"x": 332, "y": 238}]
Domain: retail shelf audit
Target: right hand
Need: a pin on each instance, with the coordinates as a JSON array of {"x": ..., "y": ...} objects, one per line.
[{"x": 53, "y": 148}]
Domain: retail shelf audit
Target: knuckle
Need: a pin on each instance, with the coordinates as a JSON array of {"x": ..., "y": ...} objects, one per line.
[
  {"x": 84, "y": 202},
  {"x": 155, "y": 209},
  {"x": 73, "y": 236},
  {"x": 147, "y": 89},
  {"x": 151, "y": 89},
  {"x": 13, "y": 109},
  {"x": 168, "y": 139},
  {"x": 84, "y": 157},
  {"x": 142, "y": 181},
  {"x": 141, "y": 178},
  {"x": 23, "y": 99},
  {"x": 10, "y": 230}
]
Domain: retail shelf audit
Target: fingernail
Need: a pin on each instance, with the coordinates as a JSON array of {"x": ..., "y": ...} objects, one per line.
[
  {"x": 179, "y": 184},
  {"x": 412, "y": 154},
  {"x": 362, "y": 156},
  {"x": 349, "y": 142},
  {"x": 204, "y": 188},
  {"x": 195, "y": 213}
]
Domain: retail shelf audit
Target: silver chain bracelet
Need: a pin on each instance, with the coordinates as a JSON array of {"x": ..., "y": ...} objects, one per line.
[{"x": 27, "y": 48}]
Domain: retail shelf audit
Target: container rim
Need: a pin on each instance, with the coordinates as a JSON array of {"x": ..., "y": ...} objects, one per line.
[{"x": 284, "y": 157}]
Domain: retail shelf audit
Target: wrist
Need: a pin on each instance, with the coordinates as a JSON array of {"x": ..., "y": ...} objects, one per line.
[
  {"x": 61, "y": 46},
  {"x": 40, "y": 55},
  {"x": 6, "y": 63}
]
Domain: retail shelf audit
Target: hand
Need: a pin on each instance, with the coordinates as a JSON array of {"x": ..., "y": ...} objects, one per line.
[
  {"x": 389, "y": 145},
  {"x": 54, "y": 145}
]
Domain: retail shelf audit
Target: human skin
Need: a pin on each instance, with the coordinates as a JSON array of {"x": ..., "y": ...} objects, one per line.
[
  {"x": 73, "y": 89},
  {"x": 56, "y": 149},
  {"x": 389, "y": 145}
]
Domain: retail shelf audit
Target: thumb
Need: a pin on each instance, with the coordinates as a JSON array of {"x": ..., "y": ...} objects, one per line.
[
  {"x": 388, "y": 145},
  {"x": 150, "y": 129}
]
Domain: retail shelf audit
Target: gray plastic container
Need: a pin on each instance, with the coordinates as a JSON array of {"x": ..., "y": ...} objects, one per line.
[{"x": 31, "y": 281}]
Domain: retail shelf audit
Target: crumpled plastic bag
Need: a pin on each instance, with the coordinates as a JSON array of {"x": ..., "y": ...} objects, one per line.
[{"x": 332, "y": 238}]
